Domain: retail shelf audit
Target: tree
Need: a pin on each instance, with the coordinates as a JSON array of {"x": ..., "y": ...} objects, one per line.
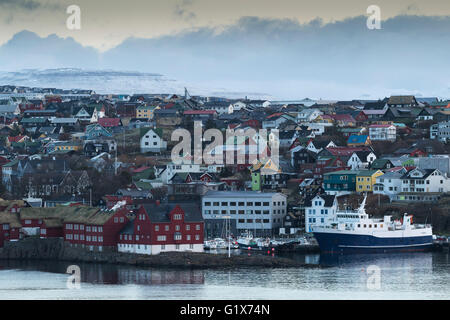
[{"x": 159, "y": 193}]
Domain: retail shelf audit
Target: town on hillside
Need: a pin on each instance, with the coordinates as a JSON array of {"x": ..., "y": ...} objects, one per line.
[{"x": 97, "y": 170}]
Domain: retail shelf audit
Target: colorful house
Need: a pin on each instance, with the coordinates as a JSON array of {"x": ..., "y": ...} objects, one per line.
[
  {"x": 145, "y": 112},
  {"x": 358, "y": 140},
  {"x": 365, "y": 179},
  {"x": 164, "y": 227},
  {"x": 340, "y": 182}
]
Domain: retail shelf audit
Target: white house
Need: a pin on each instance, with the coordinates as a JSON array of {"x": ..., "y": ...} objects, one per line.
[
  {"x": 382, "y": 132},
  {"x": 308, "y": 115},
  {"x": 239, "y": 105},
  {"x": 415, "y": 185},
  {"x": 389, "y": 184},
  {"x": 151, "y": 141},
  {"x": 317, "y": 146},
  {"x": 171, "y": 169},
  {"x": 361, "y": 160},
  {"x": 319, "y": 210}
]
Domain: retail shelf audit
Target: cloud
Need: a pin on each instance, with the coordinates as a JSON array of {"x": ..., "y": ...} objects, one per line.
[
  {"x": 29, "y": 5},
  {"x": 182, "y": 10},
  {"x": 21, "y": 4},
  {"x": 282, "y": 57},
  {"x": 28, "y": 50}
]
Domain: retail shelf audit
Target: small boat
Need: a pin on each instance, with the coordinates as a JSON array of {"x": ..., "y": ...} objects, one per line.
[
  {"x": 246, "y": 241},
  {"x": 209, "y": 245}
]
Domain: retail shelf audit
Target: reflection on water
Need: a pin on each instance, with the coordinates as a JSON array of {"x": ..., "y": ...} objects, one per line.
[
  {"x": 403, "y": 276},
  {"x": 112, "y": 274}
]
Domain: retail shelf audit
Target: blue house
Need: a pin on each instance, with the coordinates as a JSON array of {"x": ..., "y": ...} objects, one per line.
[{"x": 358, "y": 140}]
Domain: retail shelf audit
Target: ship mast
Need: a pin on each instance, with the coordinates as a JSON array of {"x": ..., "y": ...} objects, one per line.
[{"x": 362, "y": 209}]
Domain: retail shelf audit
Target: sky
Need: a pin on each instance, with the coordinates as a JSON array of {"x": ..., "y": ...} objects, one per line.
[{"x": 286, "y": 48}]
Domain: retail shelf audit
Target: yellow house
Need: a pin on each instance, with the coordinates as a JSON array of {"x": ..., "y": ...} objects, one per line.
[
  {"x": 65, "y": 146},
  {"x": 365, "y": 179},
  {"x": 145, "y": 112}
]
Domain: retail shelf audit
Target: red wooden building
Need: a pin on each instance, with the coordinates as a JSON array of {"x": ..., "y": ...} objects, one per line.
[
  {"x": 164, "y": 227},
  {"x": 95, "y": 229}
]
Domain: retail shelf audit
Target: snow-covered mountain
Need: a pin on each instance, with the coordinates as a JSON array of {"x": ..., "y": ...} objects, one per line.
[{"x": 110, "y": 81}]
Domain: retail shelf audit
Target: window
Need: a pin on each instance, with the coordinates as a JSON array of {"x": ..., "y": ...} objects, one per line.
[
  {"x": 188, "y": 227},
  {"x": 156, "y": 228},
  {"x": 197, "y": 227},
  {"x": 166, "y": 228},
  {"x": 177, "y": 228},
  {"x": 207, "y": 204}
]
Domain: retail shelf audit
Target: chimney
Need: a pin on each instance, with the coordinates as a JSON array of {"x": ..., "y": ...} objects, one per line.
[{"x": 157, "y": 202}]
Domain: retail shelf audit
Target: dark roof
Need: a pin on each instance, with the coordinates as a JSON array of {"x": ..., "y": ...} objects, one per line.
[
  {"x": 321, "y": 143},
  {"x": 362, "y": 154},
  {"x": 329, "y": 199},
  {"x": 160, "y": 213},
  {"x": 426, "y": 173},
  {"x": 402, "y": 100},
  {"x": 375, "y": 105}
]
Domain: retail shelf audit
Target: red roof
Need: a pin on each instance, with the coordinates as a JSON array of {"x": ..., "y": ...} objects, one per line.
[
  {"x": 381, "y": 125},
  {"x": 15, "y": 139},
  {"x": 345, "y": 151},
  {"x": 109, "y": 122},
  {"x": 168, "y": 106},
  {"x": 189, "y": 112},
  {"x": 343, "y": 117},
  {"x": 278, "y": 114},
  {"x": 140, "y": 169}
]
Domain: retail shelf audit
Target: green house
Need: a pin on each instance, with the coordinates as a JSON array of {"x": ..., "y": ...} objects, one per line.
[{"x": 338, "y": 181}]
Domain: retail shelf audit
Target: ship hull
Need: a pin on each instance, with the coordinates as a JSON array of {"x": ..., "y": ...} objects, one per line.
[{"x": 357, "y": 243}]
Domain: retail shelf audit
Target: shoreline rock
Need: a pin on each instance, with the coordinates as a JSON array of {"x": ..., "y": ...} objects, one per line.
[{"x": 57, "y": 249}]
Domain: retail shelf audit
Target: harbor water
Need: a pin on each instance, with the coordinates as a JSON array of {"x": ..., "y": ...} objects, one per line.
[{"x": 393, "y": 276}]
